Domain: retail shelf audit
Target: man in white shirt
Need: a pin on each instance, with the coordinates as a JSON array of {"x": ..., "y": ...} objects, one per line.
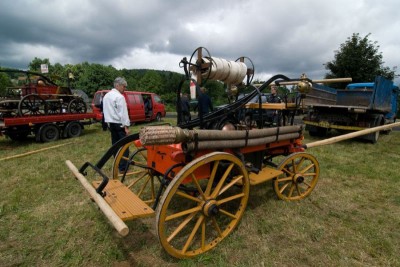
[{"x": 116, "y": 115}]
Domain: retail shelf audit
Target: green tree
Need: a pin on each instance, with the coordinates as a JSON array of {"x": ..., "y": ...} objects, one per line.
[
  {"x": 34, "y": 65},
  {"x": 94, "y": 77},
  {"x": 132, "y": 77},
  {"x": 151, "y": 82},
  {"x": 4, "y": 83},
  {"x": 359, "y": 59}
]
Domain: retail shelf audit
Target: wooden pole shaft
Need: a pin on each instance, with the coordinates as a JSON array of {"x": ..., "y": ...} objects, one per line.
[
  {"x": 35, "y": 151},
  {"x": 116, "y": 221},
  {"x": 351, "y": 135},
  {"x": 335, "y": 80}
]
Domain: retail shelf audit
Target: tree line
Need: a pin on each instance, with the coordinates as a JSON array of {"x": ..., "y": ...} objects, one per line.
[
  {"x": 358, "y": 58},
  {"x": 90, "y": 77}
]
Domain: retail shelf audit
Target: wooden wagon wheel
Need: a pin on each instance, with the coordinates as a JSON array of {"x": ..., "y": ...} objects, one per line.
[
  {"x": 202, "y": 204},
  {"x": 300, "y": 175},
  {"x": 138, "y": 176},
  {"x": 54, "y": 106},
  {"x": 32, "y": 105},
  {"x": 77, "y": 105}
]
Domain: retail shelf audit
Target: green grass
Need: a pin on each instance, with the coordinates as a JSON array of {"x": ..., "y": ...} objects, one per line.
[{"x": 352, "y": 218}]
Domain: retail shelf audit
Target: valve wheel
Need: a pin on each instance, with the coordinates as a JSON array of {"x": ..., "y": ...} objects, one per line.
[
  {"x": 138, "y": 177},
  {"x": 202, "y": 205},
  {"x": 299, "y": 178}
]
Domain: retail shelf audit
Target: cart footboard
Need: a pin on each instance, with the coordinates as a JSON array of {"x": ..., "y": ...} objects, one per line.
[{"x": 114, "y": 219}]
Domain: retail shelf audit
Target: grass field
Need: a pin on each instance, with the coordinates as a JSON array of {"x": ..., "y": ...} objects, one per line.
[{"x": 352, "y": 218}]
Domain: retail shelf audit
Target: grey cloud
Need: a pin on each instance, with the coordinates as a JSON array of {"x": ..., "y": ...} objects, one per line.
[{"x": 289, "y": 37}]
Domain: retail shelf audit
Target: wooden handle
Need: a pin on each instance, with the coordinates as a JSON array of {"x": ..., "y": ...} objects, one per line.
[
  {"x": 118, "y": 224},
  {"x": 351, "y": 135},
  {"x": 335, "y": 80}
]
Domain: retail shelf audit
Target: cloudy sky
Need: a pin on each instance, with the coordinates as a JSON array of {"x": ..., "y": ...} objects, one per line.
[{"x": 288, "y": 37}]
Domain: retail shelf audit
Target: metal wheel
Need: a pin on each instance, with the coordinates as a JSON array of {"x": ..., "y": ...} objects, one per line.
[
  {"x": 138, "y": 176},
  {"x": 202, "y": 204},
  {"x": 250, "y": 69},
  {"x": 32, "y": 105},
  {"x": 198, "y": 66},
  {"x": 300, "y": 175},
  {"x": 77, "y": 105}
]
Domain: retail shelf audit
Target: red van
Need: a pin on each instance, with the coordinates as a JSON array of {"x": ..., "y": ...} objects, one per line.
[{"x": 142, "y": 106}]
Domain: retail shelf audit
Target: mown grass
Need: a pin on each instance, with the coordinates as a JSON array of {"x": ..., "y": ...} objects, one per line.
[{"x": 352, "y": 218}]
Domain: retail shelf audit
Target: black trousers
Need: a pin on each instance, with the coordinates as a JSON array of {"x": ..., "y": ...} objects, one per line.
[{"x": 117, "y": 133}]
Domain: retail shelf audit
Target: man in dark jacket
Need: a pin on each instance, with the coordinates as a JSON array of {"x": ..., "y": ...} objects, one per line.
[
  {"x": 185, "y": 108},
  {"x": 274, "y": 116},
  {"x": 273, "y": 97},
  {"x": 204, "y": 105}
]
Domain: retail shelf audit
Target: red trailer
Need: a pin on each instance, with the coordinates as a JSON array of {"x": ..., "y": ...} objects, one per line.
[
  {"x": 45, "y": 128},
  {"x": 36, "y": 105}
]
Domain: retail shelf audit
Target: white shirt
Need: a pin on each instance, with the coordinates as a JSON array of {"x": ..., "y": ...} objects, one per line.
[{"x": 115, "y": 109}]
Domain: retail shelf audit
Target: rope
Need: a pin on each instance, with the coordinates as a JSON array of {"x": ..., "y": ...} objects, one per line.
[{"x": 230, "y": 72}]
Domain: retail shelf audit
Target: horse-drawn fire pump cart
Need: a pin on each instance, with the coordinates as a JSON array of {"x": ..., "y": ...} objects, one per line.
[
  {"x": 196, "y": 182},
  {"x": 38, "y": 95}
]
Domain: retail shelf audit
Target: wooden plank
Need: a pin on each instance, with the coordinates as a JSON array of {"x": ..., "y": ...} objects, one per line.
[
  {"x": 264, "y": 175},
  {"x": 124, "y": 202},
  {"x": 274, "y": 106}
]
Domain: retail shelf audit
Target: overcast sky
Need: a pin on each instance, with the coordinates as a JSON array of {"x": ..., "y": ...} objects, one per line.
[{"x": 287, "y": 37}]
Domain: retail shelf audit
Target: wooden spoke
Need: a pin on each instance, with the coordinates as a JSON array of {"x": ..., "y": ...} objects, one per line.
[
  {"x": 182, "y": 213},
  {"x": 181, "y": 226},
  {"x": 138, "y": 177}
]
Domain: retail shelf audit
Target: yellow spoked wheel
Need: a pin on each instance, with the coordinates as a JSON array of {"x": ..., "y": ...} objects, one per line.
[
  {"x": 138, "y": 176},
  {"x": 300, "y": 175},
  {"x": 194, "y": 214}
]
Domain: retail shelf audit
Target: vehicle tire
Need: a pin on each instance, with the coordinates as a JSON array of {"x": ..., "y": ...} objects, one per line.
[
  {"x": 373, "y": 137},
  {"x": 158, "y": 117},
  {"x": 73, "y": 129},
  {"x": 19, "y": 133},
  {"x": 48, "y": 133},
  {"x": 317, "y": 131},
  {"x": 18, "y": 136}
]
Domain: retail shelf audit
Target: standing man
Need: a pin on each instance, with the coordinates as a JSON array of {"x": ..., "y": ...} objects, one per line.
[
  {"x": 204, "y": 105},
  {"x": 273, "y": 97},
  {"x": 274, "y": 116},
  {"x": 185, "y": 108},
  {"x": 116, "y": 115}
]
